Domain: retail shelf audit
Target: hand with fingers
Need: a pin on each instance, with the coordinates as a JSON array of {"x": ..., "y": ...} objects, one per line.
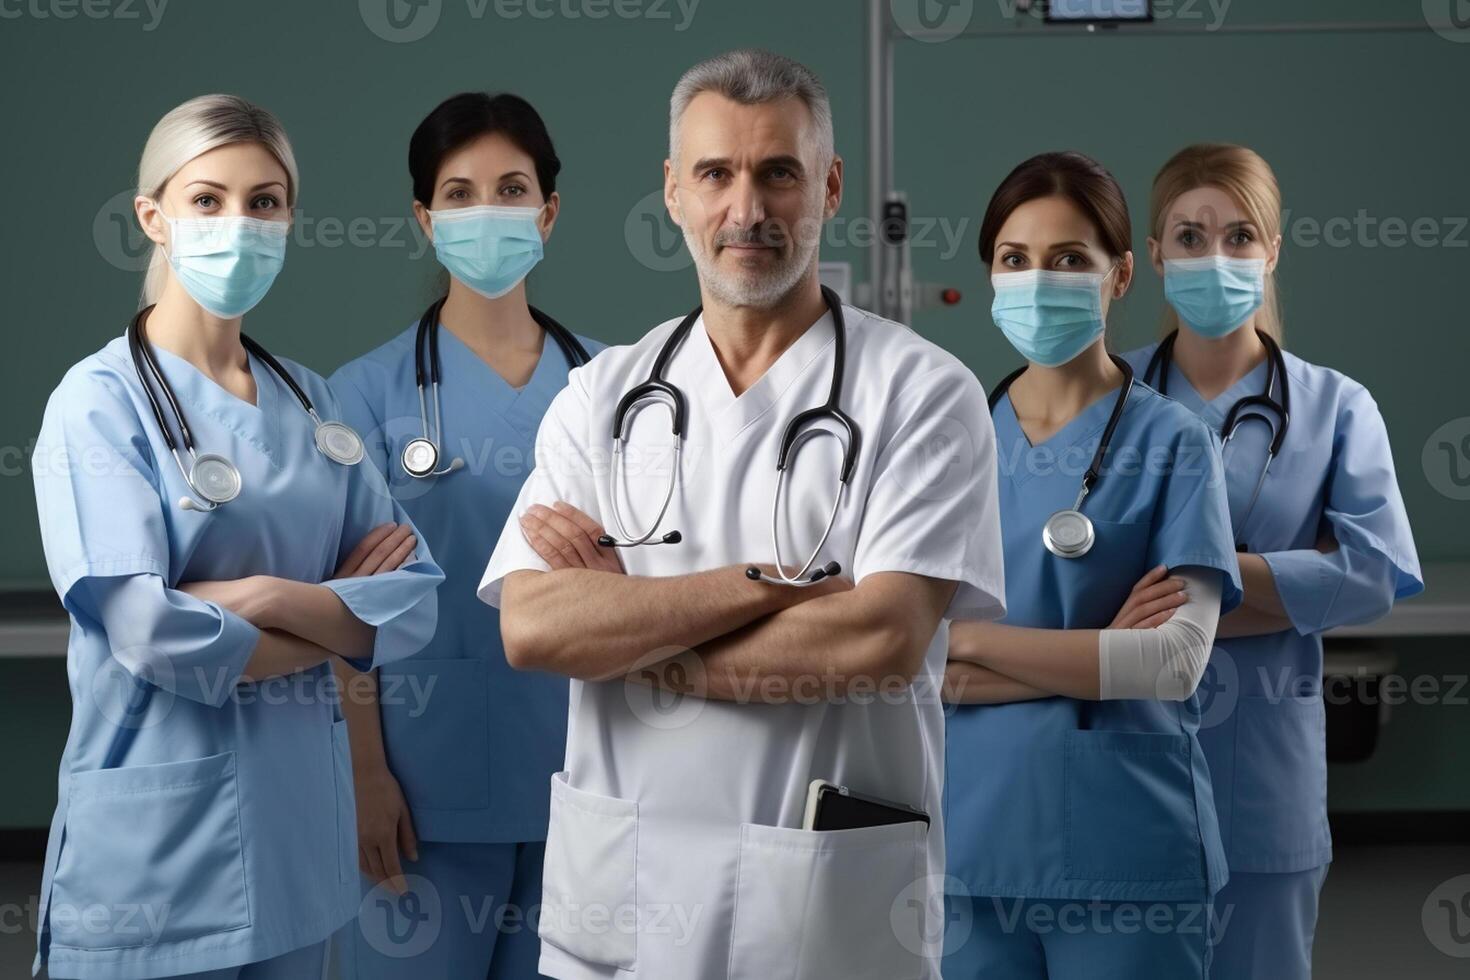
[
  {"x": 385, "y": 548},
  {"x": 385, "y": 833},
  {"x": 565, "y": 537},
  {"x": 1152, "y": 601}
]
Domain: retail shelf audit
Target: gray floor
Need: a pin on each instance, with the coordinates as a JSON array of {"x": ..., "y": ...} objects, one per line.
[{"x": 1373, "y": 925}]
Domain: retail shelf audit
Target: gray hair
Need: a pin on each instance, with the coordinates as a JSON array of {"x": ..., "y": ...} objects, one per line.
[
  {"x": 193, "y": 129},
  {"x": 752, "y": 77}
]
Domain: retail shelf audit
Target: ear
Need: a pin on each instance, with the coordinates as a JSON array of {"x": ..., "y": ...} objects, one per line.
[
  {"x": 1275, "y": 255},
  {"x": 834, "y": 187},
  {"x": 671, "y": 194},
  {"x": 1124, "y": 276},
  {"x": 1156, "y": 255},
  {"x": 426, "y": 224},
  {"x": 548, "y": 215},
  {"x": 150, "y": 219}
]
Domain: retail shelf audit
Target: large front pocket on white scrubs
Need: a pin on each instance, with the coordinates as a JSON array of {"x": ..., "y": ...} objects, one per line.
[
  {"x": 152, "y": 855},
  {"x": 436, "y": 732},
  {"x": 1130, "y": 812},
  {"x": 821, "y": 904},
  {"x": 589, "y": 888}
]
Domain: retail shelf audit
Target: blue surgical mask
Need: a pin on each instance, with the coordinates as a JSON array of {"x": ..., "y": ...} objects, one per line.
[
  {"x": 226, "y": 263},
  {"x": 1213, "y": 294},
  {"x": 489, "y": 249},
  {"x": 1050, "y": 317}
]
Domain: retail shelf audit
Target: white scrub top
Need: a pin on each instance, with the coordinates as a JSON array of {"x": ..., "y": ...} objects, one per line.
[{"x": 675, "y": 847}]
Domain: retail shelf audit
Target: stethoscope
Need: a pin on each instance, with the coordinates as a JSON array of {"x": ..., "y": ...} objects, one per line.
[
  {"x": 659, "y": 389},
  {"x": 1069, "y": 533},
  {"x": 421, "y": 455},
  {"x": 1248, "y": 407},
  {"x": 212, "y": 476}
]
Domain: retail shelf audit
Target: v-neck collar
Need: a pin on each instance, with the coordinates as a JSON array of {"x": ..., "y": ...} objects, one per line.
[
  {"x": 199, "y": 394},
  {"x": 1079, "y": 429},
  {"x": 521, "y": 407},
  {"x": 1214, "y": 409},
  {"x": 731, "y": 414}
]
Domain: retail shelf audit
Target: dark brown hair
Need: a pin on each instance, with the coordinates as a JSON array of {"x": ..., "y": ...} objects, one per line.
[{"x": 1074, "y": 176}]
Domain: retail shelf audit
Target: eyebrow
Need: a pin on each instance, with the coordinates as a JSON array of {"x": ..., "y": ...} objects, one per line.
[
  {"x": 465, "y": 180},
  {"x": 1022, "y": 248},
  {"x": 1188, "y": 223},
  {"x": 257, "y": 187},
  {"x": 785, "y": 160}
]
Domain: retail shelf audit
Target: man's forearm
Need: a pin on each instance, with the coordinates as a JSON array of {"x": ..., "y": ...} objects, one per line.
[
  {"x": 597, "y": 625},
  {"x": 857, "y": 642},
  {"x": 862, "y": 642}
]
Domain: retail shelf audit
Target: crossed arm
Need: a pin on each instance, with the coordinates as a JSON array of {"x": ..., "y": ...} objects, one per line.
[
  {"x": 744, "y": 640},
  {"x": 303, "y": 624}
]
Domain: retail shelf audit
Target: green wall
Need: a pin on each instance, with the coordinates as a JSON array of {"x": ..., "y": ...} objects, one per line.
[
  {"x": 1352, "y": 122},
  {"x": 1366, "y": 123}
]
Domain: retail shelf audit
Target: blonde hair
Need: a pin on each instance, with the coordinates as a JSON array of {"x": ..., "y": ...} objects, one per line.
[
  {"x": 192, "y": 129},
  {"x": 1249, "y": 180}
]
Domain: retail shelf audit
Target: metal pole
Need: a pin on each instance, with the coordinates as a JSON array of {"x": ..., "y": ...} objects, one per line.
[
  {"x": 880, "y": 146},
  {"x": 1044, "y": 29}
]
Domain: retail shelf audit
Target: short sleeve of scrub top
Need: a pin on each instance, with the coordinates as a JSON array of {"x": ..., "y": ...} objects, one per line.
[
  {"x": 1191, "y": 519},
  {"x": 402, "y": 605},
  {"x": 563, "y": 471},
  {"x": 1374, "y": 563},
  {"x": 105, "y": 538},
  {"x": 932, "y": 507}
]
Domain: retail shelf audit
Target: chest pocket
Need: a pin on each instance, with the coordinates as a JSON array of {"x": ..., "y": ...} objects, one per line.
[{"x": 1093, "y": 587}]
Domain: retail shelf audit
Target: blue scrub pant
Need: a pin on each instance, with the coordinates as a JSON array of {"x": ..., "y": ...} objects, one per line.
[
  {"x": 1074, "y": 939},
  {"x": 473, "y": 914},
  {"x": 1267, "y": 924},
  {"x": 306, "y": 963}
]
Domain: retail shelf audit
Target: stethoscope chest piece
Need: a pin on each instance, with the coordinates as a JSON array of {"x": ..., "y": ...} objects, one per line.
[
  {"x": 1068, "y": 534},
  {"x": 420, "y": 457},
  {"x": 339, "y": 443},
  {"x": 215, "y": 478}
]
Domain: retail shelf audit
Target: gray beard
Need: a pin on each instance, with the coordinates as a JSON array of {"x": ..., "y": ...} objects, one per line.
[{"x": 761, "y": 291}]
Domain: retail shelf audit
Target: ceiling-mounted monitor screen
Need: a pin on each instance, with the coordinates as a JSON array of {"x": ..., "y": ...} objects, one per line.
[{"x": 1099, "y": 11}]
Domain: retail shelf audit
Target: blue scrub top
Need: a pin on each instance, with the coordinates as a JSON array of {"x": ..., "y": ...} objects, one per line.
[
  {"x": 472, "y": 742},
  {"x": 1263, "y": 728},
  {"x": 1060, "y": 798},
  {"x": 202, "y": 823}
]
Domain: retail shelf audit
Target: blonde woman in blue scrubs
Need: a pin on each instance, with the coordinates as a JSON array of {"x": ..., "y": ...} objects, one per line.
[
  {"x": 218, "y": 548},
  {"x": 1323, "y": 537}
]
